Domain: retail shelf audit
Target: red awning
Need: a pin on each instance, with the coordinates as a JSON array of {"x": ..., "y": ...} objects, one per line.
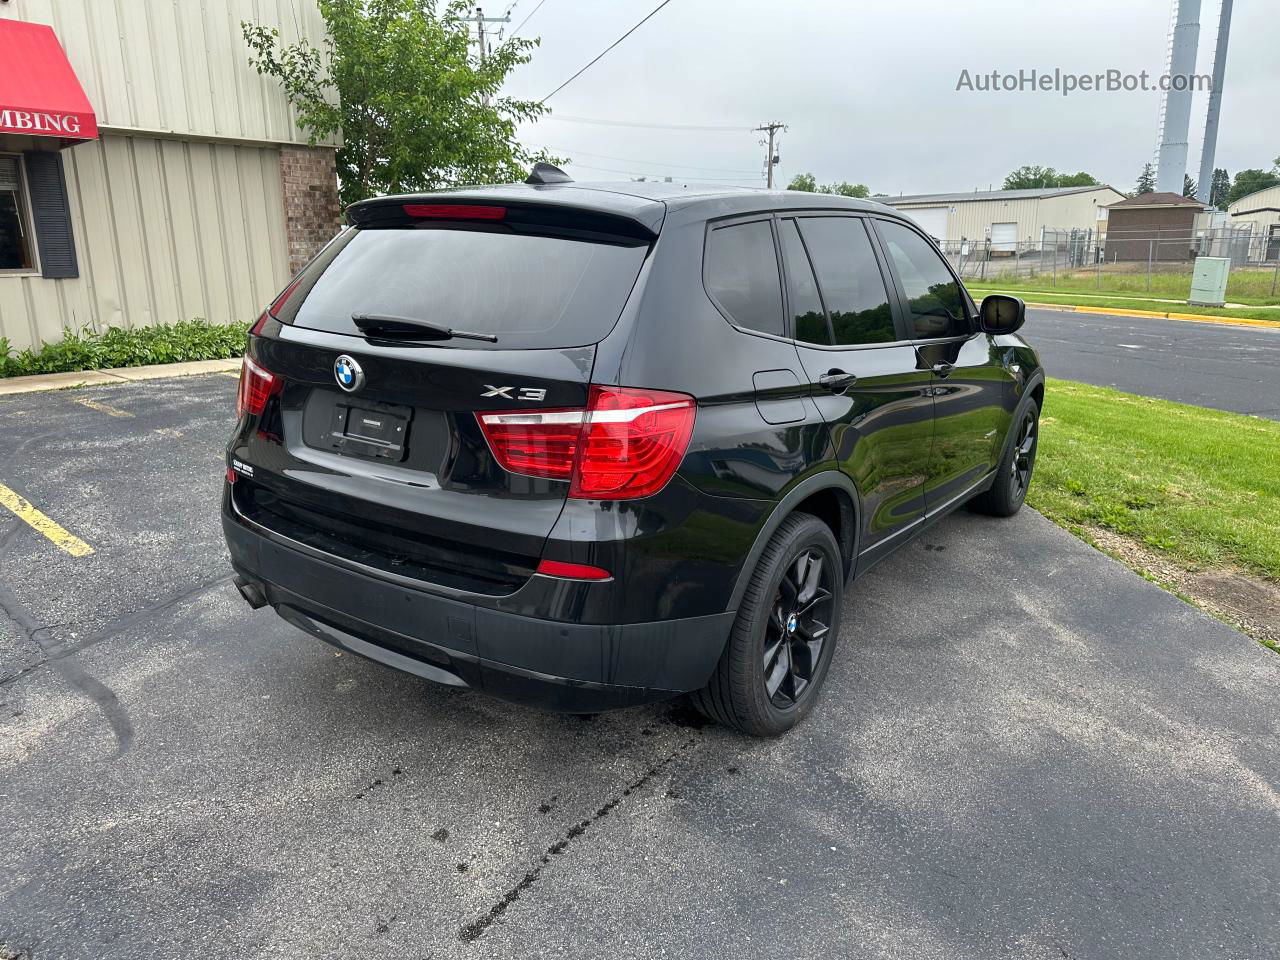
[{"x": 39, "y": 93}]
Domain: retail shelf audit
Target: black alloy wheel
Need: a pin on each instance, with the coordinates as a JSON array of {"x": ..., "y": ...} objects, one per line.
[
  {"x": 798, "y": 628},
  {"x": 779, "y": 651},
  {"x": 1024, "y": 454}
]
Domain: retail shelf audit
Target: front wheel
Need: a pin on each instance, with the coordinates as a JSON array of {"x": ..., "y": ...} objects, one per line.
[
  {"x": 1013, "y": 477},
  {"x": 784, "y": 636}
]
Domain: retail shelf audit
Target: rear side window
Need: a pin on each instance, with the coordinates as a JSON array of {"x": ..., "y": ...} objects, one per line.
[
  {"x": 530, "y": 291},
  {"x": 852, "y": 285},
  {"x": 741, "y": 273},
  {"x": 933, "y": 297}
]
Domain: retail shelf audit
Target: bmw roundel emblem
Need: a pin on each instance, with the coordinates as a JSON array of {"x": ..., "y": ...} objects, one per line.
[{"x": 348, "y": 373}]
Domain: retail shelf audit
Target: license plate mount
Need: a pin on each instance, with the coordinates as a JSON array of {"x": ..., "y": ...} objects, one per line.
[{"x": 373, "y": 431}]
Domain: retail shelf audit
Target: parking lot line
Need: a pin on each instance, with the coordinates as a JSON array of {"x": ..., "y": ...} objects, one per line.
[
  {"x": 103, "y": 407},
  {"x": 24, "y": 511}
]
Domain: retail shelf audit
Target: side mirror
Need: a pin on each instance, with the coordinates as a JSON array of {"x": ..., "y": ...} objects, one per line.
[{"x": 1001, "y": 314}]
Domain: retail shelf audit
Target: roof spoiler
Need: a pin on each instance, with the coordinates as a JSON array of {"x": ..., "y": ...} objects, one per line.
[{"x": 502, "y": 212}]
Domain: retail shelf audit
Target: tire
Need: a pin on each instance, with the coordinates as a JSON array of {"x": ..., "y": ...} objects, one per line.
[
  {"x": 738, "y": 694},
  {"x": 1013, "y": 477}
]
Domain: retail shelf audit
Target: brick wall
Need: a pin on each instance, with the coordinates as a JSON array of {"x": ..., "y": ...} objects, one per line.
[
  {"x": 1159, "y": 233},
  {"x": 311, "y": 211}
]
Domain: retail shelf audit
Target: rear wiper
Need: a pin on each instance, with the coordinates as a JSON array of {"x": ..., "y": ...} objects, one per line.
[{"x": 409, "y": 328}]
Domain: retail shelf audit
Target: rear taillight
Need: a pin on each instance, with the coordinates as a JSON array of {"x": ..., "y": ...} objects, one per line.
[
  {"x": 256, "y": 385},
  {"x": 625, "y": 444}
]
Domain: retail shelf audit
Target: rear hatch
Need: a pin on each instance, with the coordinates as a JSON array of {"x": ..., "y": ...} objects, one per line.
[{"x": 360, "y": 436}]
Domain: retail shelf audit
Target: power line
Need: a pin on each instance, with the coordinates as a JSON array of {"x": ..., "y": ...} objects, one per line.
[
  {"x": 513, "y": 33},
  {"x": 647, "y": 163},
  {"x": 653, "y": 176},
  {"x": 650, "y": 126},
  {"x": 600, "y": 55}
]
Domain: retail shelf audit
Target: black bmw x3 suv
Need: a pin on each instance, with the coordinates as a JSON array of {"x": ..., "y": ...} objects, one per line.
[{"x": 589, "y": 446}]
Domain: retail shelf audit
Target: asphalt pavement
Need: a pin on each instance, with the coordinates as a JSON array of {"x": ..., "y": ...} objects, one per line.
[
  {"x": 1023, "y": 750},
  {"x": 1209, "y": 365}
]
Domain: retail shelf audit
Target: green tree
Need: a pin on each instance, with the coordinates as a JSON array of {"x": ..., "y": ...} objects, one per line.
[
  {"x": 808, "y": 183},
  {"x": 1146, "y": 181},
  {"x": 1080, "y": 179},
  {"x": 1032, "y": 177},
  {"x": 1219, "y": 187},
  {"x": 846, "y": 189},
  {"x": 397, "y": 79},
  {"x": 1189, "y": 186},
  {"x": 1252, "y": 180}
]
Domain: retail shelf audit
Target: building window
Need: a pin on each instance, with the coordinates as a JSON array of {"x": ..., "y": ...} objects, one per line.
[{"x": 17, "y": 244}]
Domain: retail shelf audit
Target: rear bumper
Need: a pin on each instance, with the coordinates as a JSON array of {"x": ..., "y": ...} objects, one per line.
[{"x": 561, "y": 666}]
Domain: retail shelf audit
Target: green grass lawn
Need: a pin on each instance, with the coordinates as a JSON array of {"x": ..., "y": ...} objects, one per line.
[
  {"x": 979, "y": 290},
  {"x": 1200, "y": 486},
  {"x": 1249, "y": 285}
]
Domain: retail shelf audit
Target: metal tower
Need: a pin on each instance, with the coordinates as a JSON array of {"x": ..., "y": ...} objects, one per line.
[
  {"x": 1176, "y": 122},
  {"x": 1215, "y": 104}
]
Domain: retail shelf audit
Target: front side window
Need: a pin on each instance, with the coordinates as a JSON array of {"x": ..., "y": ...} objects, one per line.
[
  {"x": 16, "y": 248},
  {"x": 741, "y": 273},
  {"x": 934, "y": 299},
  {"x": 850, "y": 279}
]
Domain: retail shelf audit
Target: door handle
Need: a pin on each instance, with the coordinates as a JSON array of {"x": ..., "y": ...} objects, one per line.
[
  {"x": 837, "y": 381},
  {"x": 942, "y": 370}
]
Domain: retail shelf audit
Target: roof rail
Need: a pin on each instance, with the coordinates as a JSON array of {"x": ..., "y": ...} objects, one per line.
[{"x": 544, "y": 173}]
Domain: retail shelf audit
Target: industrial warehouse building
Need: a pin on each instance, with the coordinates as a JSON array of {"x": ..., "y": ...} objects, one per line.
[
  {"x": 1008, "y": 219},
  {"x": 1259, "y": 214},
  {"x": 147, "y": 173}
]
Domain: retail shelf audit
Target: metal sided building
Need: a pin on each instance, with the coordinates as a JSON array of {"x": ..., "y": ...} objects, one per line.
[
  {"x": 1007, "y": 218},
  {"x": 148, "y": 174},
  {"x": 1259, "y": 212}
]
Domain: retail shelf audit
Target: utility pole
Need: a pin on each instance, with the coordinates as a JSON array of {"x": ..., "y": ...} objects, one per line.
[
  {"x": 479, "y": 19},
  {"x": 771, "y": 158}
]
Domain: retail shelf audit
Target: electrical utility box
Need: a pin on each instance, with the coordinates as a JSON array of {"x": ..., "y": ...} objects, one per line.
[{"x": 1209, "y": 281}]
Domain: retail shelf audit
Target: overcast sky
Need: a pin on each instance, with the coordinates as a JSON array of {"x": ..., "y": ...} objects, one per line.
[{"x": 868, "y": 90}]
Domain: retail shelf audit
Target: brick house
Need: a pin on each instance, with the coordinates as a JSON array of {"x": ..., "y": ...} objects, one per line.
[{"x": 1156, "y": 226}]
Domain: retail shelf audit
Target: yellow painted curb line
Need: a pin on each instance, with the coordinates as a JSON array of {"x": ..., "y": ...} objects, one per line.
[
  {"x": 25, "y": 512},
  {"x": 1188, "y": 317}
]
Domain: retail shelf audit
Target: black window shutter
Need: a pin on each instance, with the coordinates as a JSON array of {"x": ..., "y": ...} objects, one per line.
[{"x": 52, "y": 215}]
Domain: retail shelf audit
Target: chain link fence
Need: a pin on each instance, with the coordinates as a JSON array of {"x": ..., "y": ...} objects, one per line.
[{"x": 1159, "y": 266}]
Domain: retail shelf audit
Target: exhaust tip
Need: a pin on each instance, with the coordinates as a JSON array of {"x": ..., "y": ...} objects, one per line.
[{"x": 253, "y": 593}]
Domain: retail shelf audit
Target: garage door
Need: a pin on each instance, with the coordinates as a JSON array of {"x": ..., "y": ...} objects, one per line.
[
  {"x": 933, "y": 220},
  {"x": 1004, "y": 236}
]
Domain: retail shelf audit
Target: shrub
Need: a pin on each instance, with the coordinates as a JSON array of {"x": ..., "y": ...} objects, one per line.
[{"x": 117, "y": 347}]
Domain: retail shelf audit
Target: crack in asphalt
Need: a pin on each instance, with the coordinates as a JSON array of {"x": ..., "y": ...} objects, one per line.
[
  {"x": 74, "y": 673},
  {"x": 61, "y": 655},
  {"x": 475, "y": 930},
  {"x": 55, "y": 652}
]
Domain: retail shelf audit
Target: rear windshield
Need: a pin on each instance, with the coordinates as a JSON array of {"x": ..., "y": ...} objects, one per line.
[{"x": 527, "y": 290}]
